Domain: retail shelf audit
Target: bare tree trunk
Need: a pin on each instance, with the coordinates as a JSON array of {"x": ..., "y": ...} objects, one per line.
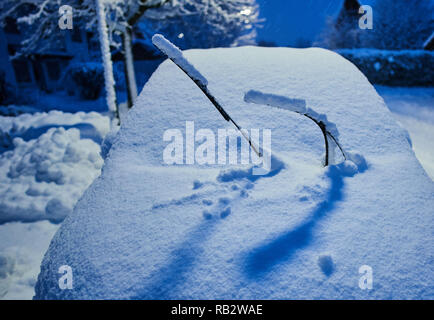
[
  {"x": 107, "y": 61},
  {"x": 128, "y": 54},
  {"x": 130, "y": 76}
]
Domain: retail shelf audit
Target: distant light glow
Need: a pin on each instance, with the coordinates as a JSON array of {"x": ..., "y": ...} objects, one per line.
[
  {"x": 246, "y": 12},
  {"x": 181, "y": 35}
]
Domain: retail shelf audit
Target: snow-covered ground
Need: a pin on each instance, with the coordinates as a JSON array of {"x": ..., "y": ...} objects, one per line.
[
  {"x": 22, "y": 247},
  {"x": 47, "y": 160},
  {"x": 413, "y": 108},
  {"x": 148, "y": 230}
]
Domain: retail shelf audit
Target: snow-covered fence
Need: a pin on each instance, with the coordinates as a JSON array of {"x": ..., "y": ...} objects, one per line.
[{"x": 394, "y": 68}]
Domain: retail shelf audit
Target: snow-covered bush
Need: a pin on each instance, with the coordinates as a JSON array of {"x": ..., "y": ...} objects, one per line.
[
  {"x": 394, "y": 68},
  {"x": 400, "y": 24},
  {"x": 47, "y": 160},
  {"x": 28, "y": 126},
  {"x": 44, "y": 177},
  {"x": 88, "y": 78}
]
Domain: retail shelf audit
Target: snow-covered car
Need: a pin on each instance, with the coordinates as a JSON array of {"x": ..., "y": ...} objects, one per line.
[{"x": 356, "y": 229}]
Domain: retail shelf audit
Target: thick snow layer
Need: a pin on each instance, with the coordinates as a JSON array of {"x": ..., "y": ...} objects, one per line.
[
  {"x": 148, "y": 230},
  {"x": 174, "y": 53}
]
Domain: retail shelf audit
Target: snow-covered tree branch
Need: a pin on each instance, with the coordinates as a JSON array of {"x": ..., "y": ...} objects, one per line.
[
  {"x": 189, "y": 23},
  {"x": 38, "y": 21},
  {"x": 205, "y": 23}
]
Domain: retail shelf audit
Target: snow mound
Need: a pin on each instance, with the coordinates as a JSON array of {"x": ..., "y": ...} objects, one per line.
[
  {"x": 44, "y": 177},
  {"x": 148, "y": 230},
  {"x": 92, "y": 125}
]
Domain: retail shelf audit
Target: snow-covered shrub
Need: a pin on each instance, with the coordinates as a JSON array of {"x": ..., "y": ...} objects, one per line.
[
  {"x": 30, "y": 126},
  {"x": 401, "y": 24},
  {"x": 88, "y": 78},
  {"x": 47, "y": 160},
  {"x": 44, "y": 177},
  {"x": 394, "y": 68}
]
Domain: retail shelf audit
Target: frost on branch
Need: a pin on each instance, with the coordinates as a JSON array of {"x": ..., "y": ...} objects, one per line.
[{"x": 106, "y": 57}]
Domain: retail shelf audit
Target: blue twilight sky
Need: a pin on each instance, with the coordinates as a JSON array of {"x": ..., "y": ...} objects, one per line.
[{"x": 290, "y": 20}]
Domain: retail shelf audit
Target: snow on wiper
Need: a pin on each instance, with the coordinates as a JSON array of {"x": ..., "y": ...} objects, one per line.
[
  {"x": 175, "y": 54},
  {"x": 281, "y": 102},
  {"x": 328, "y": 128}
]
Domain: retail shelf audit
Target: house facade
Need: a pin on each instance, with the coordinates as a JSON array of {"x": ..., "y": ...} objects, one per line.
[{"x": 41, "y": 71}]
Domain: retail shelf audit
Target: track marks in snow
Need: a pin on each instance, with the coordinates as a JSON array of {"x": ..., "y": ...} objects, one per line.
[
  {"x": 232, "y": 185},
  {"x": 326, "y": 264},
  {"x": 237, "y": 184}
]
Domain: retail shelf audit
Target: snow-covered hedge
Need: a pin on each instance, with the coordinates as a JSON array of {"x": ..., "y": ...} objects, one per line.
[
  {"x": 394, "y": 68},
  {"x": 47, "y": 160}
]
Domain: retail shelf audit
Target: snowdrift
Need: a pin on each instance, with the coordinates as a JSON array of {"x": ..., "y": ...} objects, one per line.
[
  {"x": 47, "y": 160},
  {"x": 147, "y": 230}
]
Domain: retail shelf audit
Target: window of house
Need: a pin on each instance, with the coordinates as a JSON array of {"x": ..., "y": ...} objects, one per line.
[
  {"x": 53, "y": 70},
  {"x": 22, "y": 72},
  {"x": 12, "y": 49},
  {"x": 92, "y": 44},
  {"x": 11, "y": 25}
]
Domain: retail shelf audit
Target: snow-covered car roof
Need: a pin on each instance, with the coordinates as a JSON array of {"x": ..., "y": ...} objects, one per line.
[{"x": 147, "y": 230}]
